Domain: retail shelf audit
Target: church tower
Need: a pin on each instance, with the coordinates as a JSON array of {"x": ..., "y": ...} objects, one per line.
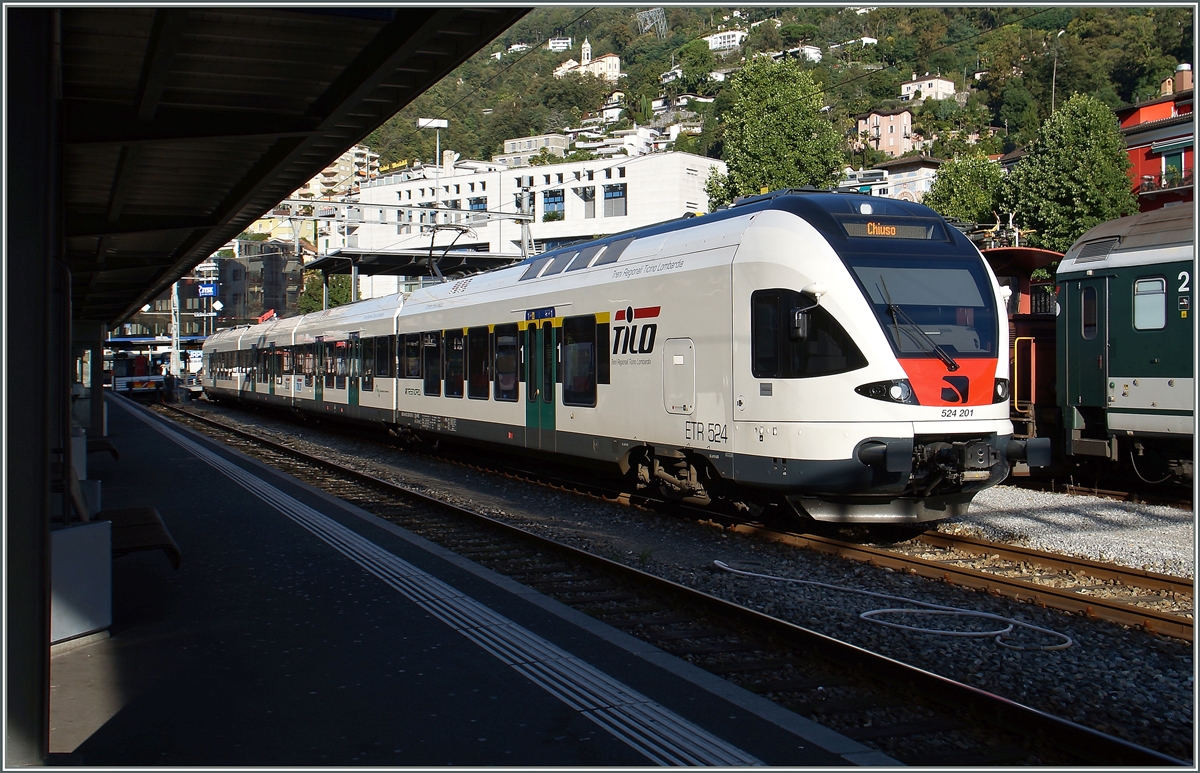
[{"x": 587, "y": 52}]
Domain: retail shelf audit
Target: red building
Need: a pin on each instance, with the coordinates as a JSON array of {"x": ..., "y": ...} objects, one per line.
[{"x": 1159, "y": 134}]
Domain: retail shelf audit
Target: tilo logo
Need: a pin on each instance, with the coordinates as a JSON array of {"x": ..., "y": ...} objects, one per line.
[
  {"x": 627, "y": 339},
  {"x": 959, "y": 389}
]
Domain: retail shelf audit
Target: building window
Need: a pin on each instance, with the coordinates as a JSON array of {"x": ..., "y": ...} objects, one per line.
[
  {"x": 614, "y": 200},
  {"x": 588, "y": 197},
  {"x": 552, "y": 205},
  {"x": 1150, "y": 304},
  {"x": 477, "y": 204},
  {"x": 621, "y": 171}
]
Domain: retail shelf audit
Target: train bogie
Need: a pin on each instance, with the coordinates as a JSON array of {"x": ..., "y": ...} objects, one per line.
[{"x": 836, "y": 352}]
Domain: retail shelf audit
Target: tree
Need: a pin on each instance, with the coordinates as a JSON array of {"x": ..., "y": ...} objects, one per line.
[
  {"x": 697, "y": 61},
  {"x": 775, "y": 135},
  {"x": 1075, "y": 176},
  {"x": 312, "y": 296},
  {"x": 967, "y": 188}
]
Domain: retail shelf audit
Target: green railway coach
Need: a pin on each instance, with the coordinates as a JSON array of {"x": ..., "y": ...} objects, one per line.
[{"x": 1126, "y": 335}]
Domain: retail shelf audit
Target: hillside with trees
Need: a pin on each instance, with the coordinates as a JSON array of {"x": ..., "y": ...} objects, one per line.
[{"x": 1011, "y": 65}]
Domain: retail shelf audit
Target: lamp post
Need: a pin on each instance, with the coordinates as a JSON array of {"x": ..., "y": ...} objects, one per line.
[
  {"x": 1054, "y": 76},
  {"x": 438, "y": 124}
]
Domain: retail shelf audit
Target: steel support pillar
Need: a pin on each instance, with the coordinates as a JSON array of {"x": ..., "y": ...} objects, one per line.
[{"x": 34, "y": 402}]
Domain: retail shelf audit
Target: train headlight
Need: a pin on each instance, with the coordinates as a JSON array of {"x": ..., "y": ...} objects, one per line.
[
  {"x": 897, "y": 391},
  {"x": 1001, "y": 392}
]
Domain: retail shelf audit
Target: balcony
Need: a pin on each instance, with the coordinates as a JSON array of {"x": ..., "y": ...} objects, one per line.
[{"x": 1167, "y": 181}]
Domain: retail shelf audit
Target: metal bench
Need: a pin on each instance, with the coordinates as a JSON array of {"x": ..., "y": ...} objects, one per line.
[{"x": 133, "y": 528}]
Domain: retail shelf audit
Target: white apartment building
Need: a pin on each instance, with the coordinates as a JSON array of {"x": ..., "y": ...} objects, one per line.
[
  {"x": 930, "y": 87},
  {"x": 518, "y": 151},
  {"x": 570, "y": 202},
  {"x": 909, "y": 179},
  {"x": 726, "y": 40},
  {"x": 559, "y": 44},
  {"x": 637, "y": 141}
]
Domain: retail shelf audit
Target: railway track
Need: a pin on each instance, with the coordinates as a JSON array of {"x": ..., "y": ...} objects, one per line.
[
  {"x": 912, "y": 715},
  {"x": 1157, "y": 603}
]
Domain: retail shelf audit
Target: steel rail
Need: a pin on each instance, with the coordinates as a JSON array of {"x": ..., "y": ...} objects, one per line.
[
  {"x": 1084, "y": 742},
  {"x": 1163, "y": 623},
  {"x": 1126, "y": 575}
]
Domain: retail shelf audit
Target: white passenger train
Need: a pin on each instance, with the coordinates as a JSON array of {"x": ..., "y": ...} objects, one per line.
[{"x": 842, "y": 352}]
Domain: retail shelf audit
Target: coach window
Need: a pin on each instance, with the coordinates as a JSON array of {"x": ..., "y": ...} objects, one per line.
[
  {"x": 455, "y": 345},
  {"x": 1088, "y": 298},
  {"x": 412, "y": 355},
  {"x": 779, "y": 351},
  {"x": 431, "y": 354},
  {"x": 579, "y": 361},
  {"x": 368, "y": 364},
  {"x": 1150, "y": 304},
  {"x": 764, "y": 334},
  {"x": 384, "y": 348},
  {"x": 330, "y": 364},
  {"x": 506, "y": 363},
  {"x": 478, "y": 387}
]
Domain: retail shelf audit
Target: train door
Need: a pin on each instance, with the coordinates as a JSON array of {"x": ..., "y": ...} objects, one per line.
[
  {"x": 1087, "y": 343},
  {"x": 541, "y": 377},
  {"x": 318, "y": 369},
  {"x": 272, "y": 367},
  {"x": 355, "y": 356}
]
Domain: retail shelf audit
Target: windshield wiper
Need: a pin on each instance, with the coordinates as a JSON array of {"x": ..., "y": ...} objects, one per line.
[{"x": 898, "y": 312}]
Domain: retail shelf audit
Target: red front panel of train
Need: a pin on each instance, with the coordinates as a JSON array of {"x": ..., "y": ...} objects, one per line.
[{"x": 974, "y": 383}]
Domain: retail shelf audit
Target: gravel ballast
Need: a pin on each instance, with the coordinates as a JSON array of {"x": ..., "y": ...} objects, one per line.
[{"x": 1118, "y": 680}]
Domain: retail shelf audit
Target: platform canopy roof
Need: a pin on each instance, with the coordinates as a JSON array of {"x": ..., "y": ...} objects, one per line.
[
  {"x": 183, "y": 125},
  {"x": 411, "y": 262}
]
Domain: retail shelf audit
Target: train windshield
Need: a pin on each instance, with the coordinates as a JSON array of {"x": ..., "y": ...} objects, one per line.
[{"x": 932, "y": 307}]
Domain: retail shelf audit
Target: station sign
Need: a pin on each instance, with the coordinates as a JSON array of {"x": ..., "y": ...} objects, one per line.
[{"x": 208, "y": 289}]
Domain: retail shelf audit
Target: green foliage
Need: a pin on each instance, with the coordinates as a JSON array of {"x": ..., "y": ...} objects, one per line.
[
  {"x": 775, "y": 135},
  {"x": 246, "y": 236},
  {"x": 1075, "y": 176},
  {"x": 797, "y": 34},
  {"x": 967, "y": 188},
  {"x": 311, "y": 298},
  {"x": 552, "y": 217}
]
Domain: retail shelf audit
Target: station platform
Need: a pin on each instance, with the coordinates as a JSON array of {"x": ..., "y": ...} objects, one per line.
[{"x": 302, "y": 631}]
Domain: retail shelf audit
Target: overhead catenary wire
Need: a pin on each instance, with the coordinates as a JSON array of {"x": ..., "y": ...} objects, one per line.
[{"x": 925, "y": 608}]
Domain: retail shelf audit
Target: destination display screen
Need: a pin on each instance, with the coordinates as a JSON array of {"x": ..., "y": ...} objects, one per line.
[{"x": 881, "y": 228}]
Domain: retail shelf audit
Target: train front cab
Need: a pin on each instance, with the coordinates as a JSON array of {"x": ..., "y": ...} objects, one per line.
[
  {"x": 1125, "y": 355},
  {"x": 897, "y": 391}
]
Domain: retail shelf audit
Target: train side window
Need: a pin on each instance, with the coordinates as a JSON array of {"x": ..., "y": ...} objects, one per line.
[
  {"x": 384, "y": 345},
  {"x": 455, "y": 346},
  {"x": 1088, "y": 304},
  {"x": 579, "y": 361},
  {"x": 506, "y": 363},
  {"x": 432, "y": 360},
  {"x": 764, "y": 334},
  {"x": 478, "y": 387},
  {"x": 1150, "y": 304},
  {"x": 368, "y": 364},
  {"x": 824, "y": 348},
  {"x": 412, "y": 355}
]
